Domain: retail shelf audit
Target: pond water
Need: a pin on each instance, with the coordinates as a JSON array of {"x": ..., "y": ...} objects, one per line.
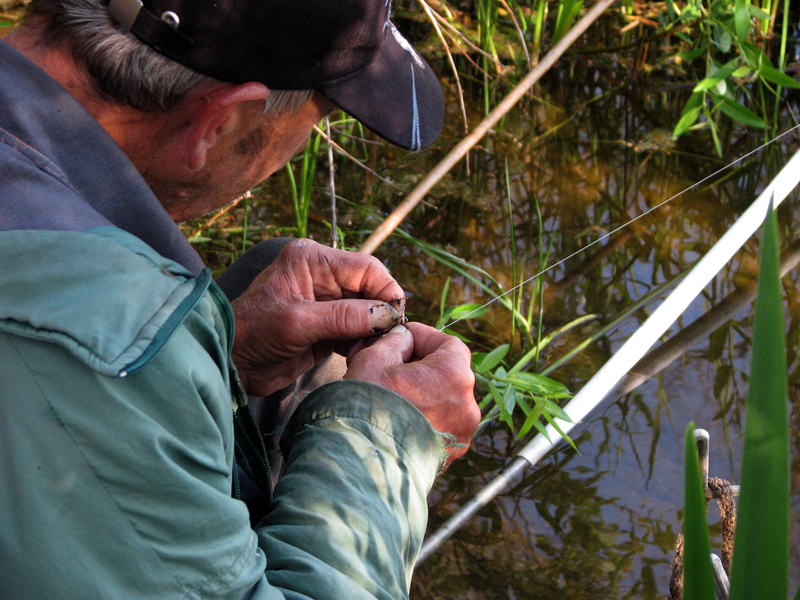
[{"x": 583, "y": 155}]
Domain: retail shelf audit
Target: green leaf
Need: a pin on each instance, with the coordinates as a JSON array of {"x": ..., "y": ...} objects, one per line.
[
  {"x": 199, "y": 239},
  {"x": 771, "y": 74},
  {"x": 692, "y": 54},
  {"x": 443, "y": 301},
  {"x": 715, "y": 77},
  {"x": 761, "y": 559},
  {"x": 538, "y": 384},
  {"x": 725, "y": 41},
  {"x": 473, "y": 310},
  {"x": 742, "y": 71},
  {"x": 756, "y": 12},
  {"x": 557, "y": 411},
  {"x": 560, "y": 431},
  {"x": 739, "y": 113},
  {"x": 493, "y": 359},
  {"x": 671, "y": 10},
  {"x": 533, "y": 420},
  {"x": 741, "y": 19},
  {"x": 698, "y": 575},
  {"x": 686, "y": 121},
  {"x": 510, "y": 400}
]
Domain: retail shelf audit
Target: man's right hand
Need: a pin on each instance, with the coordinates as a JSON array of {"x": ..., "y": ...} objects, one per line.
[{"x": 431, "y": 370}]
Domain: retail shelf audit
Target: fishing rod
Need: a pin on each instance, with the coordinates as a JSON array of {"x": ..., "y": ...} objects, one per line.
[{"x": 608, "y": 377}]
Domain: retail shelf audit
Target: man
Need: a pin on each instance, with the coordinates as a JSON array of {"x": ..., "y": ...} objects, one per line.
[{"x": 119, "y": 364}]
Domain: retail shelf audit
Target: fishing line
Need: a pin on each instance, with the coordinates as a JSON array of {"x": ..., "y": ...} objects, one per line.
[{"x": 610, "y": 233}]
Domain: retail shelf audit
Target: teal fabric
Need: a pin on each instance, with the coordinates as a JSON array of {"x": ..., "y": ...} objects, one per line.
[{"x": 116, "y": 483}]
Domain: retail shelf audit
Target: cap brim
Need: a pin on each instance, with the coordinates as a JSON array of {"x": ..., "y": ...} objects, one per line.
[{"x": 397, "y": 96}]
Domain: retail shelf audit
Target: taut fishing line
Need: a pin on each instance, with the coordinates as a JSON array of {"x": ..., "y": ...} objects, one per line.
[{"x": 612, "y": 232}]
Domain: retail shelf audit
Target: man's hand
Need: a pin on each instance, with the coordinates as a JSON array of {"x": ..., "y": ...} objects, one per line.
[
  {"x": 431, "y": 370},
  {"x": 310, "y": 301}
]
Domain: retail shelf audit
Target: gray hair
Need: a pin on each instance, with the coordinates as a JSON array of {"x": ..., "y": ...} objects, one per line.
[{"x": 121, "y": 68}]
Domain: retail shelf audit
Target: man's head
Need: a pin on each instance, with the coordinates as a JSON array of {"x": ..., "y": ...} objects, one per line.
[{"x": 149, "y": 56}]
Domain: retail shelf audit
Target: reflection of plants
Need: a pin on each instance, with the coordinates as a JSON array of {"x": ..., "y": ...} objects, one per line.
[{"x": 761, "y": 557}]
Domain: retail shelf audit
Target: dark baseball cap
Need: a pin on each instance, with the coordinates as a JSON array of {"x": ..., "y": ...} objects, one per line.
[{"x": 348, "y": 50}]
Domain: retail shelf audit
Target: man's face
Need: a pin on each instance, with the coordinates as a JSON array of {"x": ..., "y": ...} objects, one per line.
[{"x": 240, "y": 160}]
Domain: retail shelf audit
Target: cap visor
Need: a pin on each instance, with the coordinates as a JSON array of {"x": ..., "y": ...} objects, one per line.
[{"x": 397, "y": 96}]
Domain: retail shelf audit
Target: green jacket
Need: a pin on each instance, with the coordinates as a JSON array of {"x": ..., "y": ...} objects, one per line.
[{"x": 117, "y": 444}]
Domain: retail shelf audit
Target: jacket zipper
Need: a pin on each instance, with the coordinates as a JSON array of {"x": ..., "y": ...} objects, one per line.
[{"x": 171, "y": 325}]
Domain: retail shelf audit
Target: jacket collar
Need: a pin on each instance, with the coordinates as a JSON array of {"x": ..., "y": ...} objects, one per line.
[{"x": 82, "y": 179}]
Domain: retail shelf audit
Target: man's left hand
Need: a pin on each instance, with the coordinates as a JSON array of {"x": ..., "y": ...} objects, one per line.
[{"x": 311, "y": 301}]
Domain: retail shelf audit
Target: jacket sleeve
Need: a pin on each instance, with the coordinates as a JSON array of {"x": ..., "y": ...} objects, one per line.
[
  {"x": 351, "y": 505},
  {"x": 120, "y": 488}
]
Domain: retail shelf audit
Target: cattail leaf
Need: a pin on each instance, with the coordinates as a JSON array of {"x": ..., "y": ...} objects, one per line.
[{"x": 761, "y": 557}]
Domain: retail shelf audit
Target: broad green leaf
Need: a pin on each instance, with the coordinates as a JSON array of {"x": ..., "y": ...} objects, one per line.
[
  {"x": 493, "y": 358},
  {"x": 531, "y": 421},
  {"x": 473, "y": 310},
  {"x": 772, "y": 74},
  {"x": 560, "y": 431},
  {"x": 753, "y": 54},
  {"x": 715, "y": 76},
  {"x": 698, "y": 575},
  {"x": 761, "y": 559},
  {"x": 687, "y": 120},
  {"x": 742, "y": 71},
  {"x": 742, "y": 20},
  {"x": 725, "y": 41},
  {"x": 756, "y": 12},
  {"x": 739, "y": 113},
  {"x": 498, "y": 397},
  {"x": 510, "y": 400},
  {"x": 690, "y": 113},
  {"x": 557, "y": 411},
  {"x": 523, "y": 404},
  {"x": 539, "y": 384}
]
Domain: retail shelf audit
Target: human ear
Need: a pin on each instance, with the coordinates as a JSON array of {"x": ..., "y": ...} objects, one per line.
[{"x": 216, "y": 112}]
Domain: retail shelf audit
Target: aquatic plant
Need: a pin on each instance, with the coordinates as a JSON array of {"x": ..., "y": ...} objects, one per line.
[{"x": 761, "y": 557}]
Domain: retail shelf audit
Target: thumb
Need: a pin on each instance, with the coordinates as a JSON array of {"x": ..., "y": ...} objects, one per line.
[
  {"x": 347, "y": 319},
  {"x": 394, "y": 348}
]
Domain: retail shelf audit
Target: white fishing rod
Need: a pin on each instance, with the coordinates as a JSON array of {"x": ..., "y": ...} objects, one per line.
[{"x": 599, "y": 386}]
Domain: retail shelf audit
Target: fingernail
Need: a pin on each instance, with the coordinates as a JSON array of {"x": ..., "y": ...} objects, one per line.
[
  {"x": 397, "y": 329},
  {"x": 381, "y": 316}
]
